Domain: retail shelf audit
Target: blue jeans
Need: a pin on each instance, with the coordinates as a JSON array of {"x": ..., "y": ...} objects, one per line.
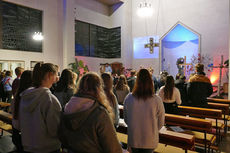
[{"x": 140, "y": 150}]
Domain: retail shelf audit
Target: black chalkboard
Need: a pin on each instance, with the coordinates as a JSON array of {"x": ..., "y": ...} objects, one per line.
[
  {"x": 96, "y": 41},
  {"x": 18, "y": 24}
]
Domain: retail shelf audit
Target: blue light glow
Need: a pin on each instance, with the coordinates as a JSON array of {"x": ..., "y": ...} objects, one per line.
[
  {"x": 179, "y": 42},
  {"x": 140, "y": 52},
  {"x": 180, "y": 33}
]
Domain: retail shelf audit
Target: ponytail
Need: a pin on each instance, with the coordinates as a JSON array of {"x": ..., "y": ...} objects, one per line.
[{"x": 40, "y": 71}]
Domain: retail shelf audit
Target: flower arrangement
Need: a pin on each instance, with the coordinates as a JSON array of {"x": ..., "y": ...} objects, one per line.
[
  {"x": 79, "y": 67},
  {"x": 204, "y": 59}
]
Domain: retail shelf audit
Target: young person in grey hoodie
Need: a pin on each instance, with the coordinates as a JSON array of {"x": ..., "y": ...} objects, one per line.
[
  {"x": 40, "y": 112},
  {"x": 86, "y": 126}
]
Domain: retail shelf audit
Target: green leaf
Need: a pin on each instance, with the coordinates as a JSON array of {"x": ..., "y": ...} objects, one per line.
[{"x": 81, "y": 64}]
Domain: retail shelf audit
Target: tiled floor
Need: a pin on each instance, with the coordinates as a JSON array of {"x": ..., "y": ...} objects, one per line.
[{"x": 6, "y": 145}]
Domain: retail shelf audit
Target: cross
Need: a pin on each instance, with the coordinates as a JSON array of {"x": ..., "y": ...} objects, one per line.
[
  {"x": 185, "y": 65},
  {"x": 221, "y": 66},
  {"x": 151, "y": 45}
]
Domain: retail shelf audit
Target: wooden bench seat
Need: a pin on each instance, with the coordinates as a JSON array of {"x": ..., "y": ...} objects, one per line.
[
  {"x": 223, "y": 107},
  {"x": 200, "y": 112},
  {"x": 5, "y": 127},
  {"x": 4, "y": 104},
  {"x": 217, "y": 100},
  {"x": 195, "y": 124},
  {"x": 6, "y": 117},
  {"x": 227, "y": 117},
  {"x": 205, "y": 113},
  {"x": 200, "y": 137},
  {"x": 188, "y": 122},
  {"x": 180, "y": 140},
  {"x": 162, "y": 147}
]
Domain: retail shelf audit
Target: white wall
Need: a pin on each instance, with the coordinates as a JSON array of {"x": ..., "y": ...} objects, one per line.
[
  {"x": 51, "y": 49},
  {"x": 210, "y": 18}
]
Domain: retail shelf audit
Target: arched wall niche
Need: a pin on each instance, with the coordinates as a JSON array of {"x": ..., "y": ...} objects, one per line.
[{"x": 179, "y": 41}]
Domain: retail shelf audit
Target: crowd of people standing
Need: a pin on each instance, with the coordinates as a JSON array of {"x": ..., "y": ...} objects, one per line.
[{"x": 83, "y": 115}]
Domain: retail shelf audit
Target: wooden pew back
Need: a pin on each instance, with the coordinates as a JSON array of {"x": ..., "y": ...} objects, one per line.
[
  {"x": 4, "y": 104},
  {"x": 188, "y": 122},
  {"x": 180, "y": 140},
  {"x": 6, "y": 117},
  {"x": 217, "y": 100},
  {"x": 200, "y": 112},
  {"x": 223, "y": 107}
]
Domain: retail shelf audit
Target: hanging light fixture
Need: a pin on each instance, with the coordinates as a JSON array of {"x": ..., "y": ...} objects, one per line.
[
  {"x": 145, "y": 10},
  {"x": 38, "y": 36}
]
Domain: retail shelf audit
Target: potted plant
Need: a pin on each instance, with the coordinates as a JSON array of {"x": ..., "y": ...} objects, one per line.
[{"x": 79, "y": 67}]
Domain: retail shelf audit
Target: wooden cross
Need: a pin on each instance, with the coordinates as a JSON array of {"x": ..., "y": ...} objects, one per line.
[
  {"x": 221, "y": 66},
  {"x": 151, "y": 45},
  {"x": 185, "y": 65}
]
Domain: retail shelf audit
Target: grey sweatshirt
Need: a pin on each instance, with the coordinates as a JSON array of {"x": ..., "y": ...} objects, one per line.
[{"x": 39, "y": 120}]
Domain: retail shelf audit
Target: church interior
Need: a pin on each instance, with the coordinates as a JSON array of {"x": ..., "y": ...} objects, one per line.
[{"x": 121, "y": 38}]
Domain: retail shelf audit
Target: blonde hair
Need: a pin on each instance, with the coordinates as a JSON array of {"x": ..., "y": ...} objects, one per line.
[{"x": 91, "y": 84}]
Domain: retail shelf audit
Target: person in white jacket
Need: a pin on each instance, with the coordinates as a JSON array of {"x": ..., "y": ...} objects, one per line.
[
  {"x": 40, "y": 112},
  {"x": 144, "y": 114},
  {"x": 170, "y": 96}
]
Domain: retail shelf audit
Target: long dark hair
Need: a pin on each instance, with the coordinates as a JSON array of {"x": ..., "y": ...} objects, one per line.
[
  {"x": 24, "y": 83},
  {"x": 91, "y": 84},
  {"x": 143, "y": 87},
  {"x": 40, "y": 71},
  {"x": 66, "y": 81},
  {"x": 108, "y": 88},
  {"x": 169, "y": 85}
]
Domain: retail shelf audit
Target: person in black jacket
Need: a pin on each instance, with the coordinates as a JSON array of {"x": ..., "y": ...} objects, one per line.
[
  {"x": 181, "y": 84},
  {"x": 199, "y": 87}
]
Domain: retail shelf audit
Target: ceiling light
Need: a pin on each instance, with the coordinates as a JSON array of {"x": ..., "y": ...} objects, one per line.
[{"x": 38, "y": 36}]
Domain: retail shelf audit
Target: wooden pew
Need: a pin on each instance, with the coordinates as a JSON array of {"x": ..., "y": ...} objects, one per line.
[
  {"x": 6, "y": 117},
  {"x": 200, "y": 112},
  {"x": 204, "y": 113},
  {"x": 223, "y": 101},
  {"x": 180, "y": 140},
  {"x": 194, "y": 124},
  {"x": 217, "y": 100},
  {"x": 5, "y": 122},
  {"x": 4, "y": 104},
  {"x": 5, "y": 127},
  {"x": 225, "y": 111},
  {"x": 223, "y": 107}
]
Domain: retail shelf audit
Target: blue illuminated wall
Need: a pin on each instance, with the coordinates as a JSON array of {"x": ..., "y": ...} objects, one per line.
[
  {"x": 179, "y": 42},
  {"x": 140, "y": 52}
]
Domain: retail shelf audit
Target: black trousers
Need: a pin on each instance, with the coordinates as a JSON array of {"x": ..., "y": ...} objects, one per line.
[
  {"x": 140, "y": 150},
  {"x": 7, "y": 97},
  {"x": 171, "y": 108},
  {"x": 16, "y": 139},
  {"x": 57, "y": 151}
]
